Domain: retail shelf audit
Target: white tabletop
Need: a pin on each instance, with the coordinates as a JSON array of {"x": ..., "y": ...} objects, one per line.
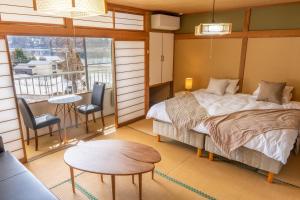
[{"x": 65, "y": 99}]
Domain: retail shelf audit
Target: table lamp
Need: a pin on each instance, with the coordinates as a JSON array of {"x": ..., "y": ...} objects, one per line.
[{"x": 188, "y": 84}]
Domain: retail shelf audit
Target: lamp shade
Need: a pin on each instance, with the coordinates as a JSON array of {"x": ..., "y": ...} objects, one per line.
[
  {"x": 71, "y": 8},
  {"x": 213, "y": 29},
  {"x": 188, "y": 83}
]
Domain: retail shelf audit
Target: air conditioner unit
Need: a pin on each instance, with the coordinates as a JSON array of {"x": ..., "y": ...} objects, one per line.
[{"x": 165, "y": 22}]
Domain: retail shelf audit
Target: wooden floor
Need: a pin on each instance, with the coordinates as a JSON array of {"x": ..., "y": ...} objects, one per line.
[{"x": 180, "y": 175}]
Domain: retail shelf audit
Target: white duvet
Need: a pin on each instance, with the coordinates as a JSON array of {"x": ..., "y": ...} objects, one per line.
[{"x": 275, "y": 144}]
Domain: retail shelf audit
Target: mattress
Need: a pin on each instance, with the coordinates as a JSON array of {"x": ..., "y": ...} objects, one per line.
[{"x": 276, "y": 144}]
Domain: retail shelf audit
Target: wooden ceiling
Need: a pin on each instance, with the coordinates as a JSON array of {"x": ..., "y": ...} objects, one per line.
[{"x": 193, "y": 6}]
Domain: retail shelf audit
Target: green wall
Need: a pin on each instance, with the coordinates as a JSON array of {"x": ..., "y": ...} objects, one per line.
[
  {"x": 276, "y": 17},
  {"x": 286, "y": 16}
]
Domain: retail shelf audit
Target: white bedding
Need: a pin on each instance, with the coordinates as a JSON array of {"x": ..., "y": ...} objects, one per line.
[{"x": 275, "y": 144}]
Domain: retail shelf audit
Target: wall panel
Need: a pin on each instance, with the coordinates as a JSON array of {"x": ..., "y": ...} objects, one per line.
[
  {"x": 273, "y": 59},
  {"x": 276, "y": 17},
  {"x": 201, "y": 59}
]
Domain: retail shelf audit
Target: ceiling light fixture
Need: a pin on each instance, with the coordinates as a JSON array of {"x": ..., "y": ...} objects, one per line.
[
  {"x": 71, "y": 8},
  {"x": 213, "y": 28}
]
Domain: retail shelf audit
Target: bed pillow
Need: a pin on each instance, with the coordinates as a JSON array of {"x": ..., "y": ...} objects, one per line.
[
  {"x": 286, "y": 96},
  {"x": 217, "y": 86},
  {"x": 232, "y": 87},
  {"x": 271, "y": 92}
]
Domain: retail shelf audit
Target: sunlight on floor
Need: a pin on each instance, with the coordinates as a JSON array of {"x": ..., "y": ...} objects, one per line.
[{"x": 49, "y": 143}]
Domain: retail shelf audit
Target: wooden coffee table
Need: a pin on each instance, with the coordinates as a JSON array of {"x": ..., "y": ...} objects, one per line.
[{"x": 114, "y": 158}]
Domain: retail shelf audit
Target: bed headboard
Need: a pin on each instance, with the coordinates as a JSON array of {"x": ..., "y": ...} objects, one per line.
[{"x": 273, "y": 59}]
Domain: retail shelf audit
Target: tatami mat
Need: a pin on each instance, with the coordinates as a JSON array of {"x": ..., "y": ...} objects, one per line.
[{"x": 180, "y": 175}]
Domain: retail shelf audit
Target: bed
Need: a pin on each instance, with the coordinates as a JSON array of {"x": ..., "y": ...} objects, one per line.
[{"x": 268, "y": 152}]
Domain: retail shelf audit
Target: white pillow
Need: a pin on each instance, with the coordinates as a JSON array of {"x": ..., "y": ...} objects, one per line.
[
  {"x": 232, "y": 87},
  {"x": 217, "y": 86},
  {"x": 286, "y": 96}
]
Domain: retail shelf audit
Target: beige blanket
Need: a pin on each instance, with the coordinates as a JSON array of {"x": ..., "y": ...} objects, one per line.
[
  {"x": 229, "y": 132},
  {"x": 185, "y": 112}
]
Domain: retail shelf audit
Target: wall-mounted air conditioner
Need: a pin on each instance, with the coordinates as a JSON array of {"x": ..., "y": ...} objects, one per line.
[{"x": 165, "y": 22}]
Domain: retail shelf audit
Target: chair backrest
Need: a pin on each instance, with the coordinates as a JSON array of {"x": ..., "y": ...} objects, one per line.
[
  {"x": 27, "y": 115},
  {"x": 98, "y": 94},
  {"x": 1, "y": 145}
]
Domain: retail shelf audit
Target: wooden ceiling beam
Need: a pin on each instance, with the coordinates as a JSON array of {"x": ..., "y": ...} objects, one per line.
[
  {"x": 40, "y": 30},
  {"x": 184, "y": 36},
  {"x": 121, "y": 8},
  {"x": 274, "y": 33}
]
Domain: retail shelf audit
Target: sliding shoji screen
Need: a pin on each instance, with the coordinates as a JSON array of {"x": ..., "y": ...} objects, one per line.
[
  {"x": 100, "y": 21},
  {"x": 130, "y": 80},
  {"x": 10, "y": 130},
  {"x": 129, "y": 21},
  {"x": 22, "y": 11}
]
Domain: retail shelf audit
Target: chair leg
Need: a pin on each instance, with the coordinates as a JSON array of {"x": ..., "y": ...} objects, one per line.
[
  {"x": 86, "y": 123},
  {"x": 94, "y": 118},
  {"x": 27, "y": 134},
  {"x": 36, "y": 140},
  {"x": 59, "y": 131},
  {"x": 102, "y": 118},
  {"x": 50, "y": 130}
]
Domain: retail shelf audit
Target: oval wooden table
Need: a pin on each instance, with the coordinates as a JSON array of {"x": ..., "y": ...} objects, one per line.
[{"x": 114, "y": 158}]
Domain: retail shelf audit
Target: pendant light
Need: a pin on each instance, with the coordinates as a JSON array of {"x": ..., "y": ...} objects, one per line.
[
  {"x": 71, "y": 8},
  {"x": 213, "y": 28}
]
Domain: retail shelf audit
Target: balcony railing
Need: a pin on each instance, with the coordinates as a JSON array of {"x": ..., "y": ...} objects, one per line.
[{"x": 39, "y": 87}]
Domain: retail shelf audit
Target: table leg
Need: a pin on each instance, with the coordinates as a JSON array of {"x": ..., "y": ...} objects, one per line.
[
  {"x": 56, "y": 109},
  {"x": 102, "y": 178},
  {"x": 113, "y": 186},
  {"x": 140, "y": 186},
  {"x": 76, "y": 117},
  {"x": 69, "y": 112},
  {"x": 65, "y": 127},
  {"x": 72, "y": 179}
]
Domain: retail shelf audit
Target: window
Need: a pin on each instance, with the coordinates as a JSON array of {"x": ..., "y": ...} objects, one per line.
[
  {"x": 99, "y": 60},
  {"x": 49, "y": 66}
]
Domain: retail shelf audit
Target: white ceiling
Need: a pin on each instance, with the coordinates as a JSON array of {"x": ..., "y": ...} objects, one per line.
[{"x": 192, "y": 6}]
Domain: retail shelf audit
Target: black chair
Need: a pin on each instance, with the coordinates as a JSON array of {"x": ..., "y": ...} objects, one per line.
[
  {"x": 37, "y": 122},
  {"x": 1, "y": 145},
  {"x": 96, "y": 104}
]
